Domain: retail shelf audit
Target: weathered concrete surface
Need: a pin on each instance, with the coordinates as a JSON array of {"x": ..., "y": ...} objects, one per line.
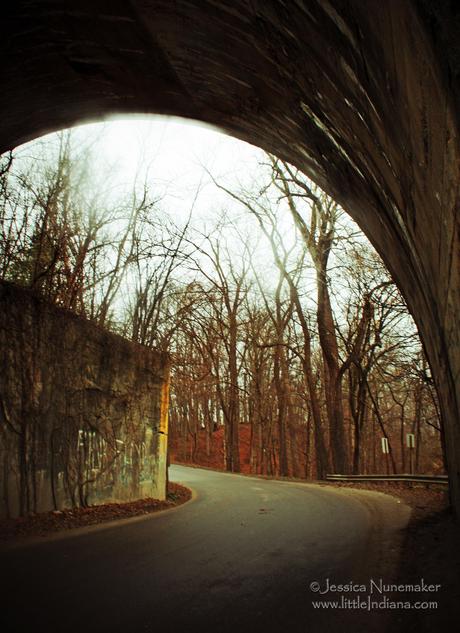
[
  {"x": 362, "y": 95},
  {"x": 83, "y": 413}
]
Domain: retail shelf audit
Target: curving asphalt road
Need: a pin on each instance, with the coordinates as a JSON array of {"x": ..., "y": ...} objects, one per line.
[{"x": 240, "y": 557}]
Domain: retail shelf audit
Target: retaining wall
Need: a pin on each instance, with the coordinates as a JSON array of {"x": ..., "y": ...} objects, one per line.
[{"x": 83, "y": 412}]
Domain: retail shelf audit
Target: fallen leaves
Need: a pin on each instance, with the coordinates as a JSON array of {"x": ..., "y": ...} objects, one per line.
[{"x": 45, "y": 523}]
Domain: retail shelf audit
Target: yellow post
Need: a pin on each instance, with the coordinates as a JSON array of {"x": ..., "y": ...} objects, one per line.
[
  {"x": 162, "y": 454},
  {"x": 164, "y": 404}
]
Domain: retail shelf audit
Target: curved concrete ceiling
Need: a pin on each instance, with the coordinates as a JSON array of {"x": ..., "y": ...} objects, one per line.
[{"x": 360, "y": 95}]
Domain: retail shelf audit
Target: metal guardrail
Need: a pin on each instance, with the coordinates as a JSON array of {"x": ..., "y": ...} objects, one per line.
[{"x": 423, "y": 479}]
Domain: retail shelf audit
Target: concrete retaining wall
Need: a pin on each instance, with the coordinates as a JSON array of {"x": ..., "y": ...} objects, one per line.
[{"x": 83, "y": 412}]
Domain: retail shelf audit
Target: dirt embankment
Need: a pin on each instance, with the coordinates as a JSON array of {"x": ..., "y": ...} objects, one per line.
[{"x": 430, "y": 550}]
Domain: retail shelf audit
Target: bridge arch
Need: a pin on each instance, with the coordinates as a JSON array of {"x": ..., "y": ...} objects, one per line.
[{"x": 358, "y": 95}]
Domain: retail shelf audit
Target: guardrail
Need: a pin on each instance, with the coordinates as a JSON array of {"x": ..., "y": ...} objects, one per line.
[{"x": 422, "y": 479}]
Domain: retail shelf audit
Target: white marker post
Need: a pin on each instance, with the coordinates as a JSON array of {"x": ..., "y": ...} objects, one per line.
[
  {"x": 410, "y": 443},
  {"x": 386, "y": 452}
]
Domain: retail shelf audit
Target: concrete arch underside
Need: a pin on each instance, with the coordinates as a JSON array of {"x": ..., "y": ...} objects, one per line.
[{"x": 361, "y": 95}]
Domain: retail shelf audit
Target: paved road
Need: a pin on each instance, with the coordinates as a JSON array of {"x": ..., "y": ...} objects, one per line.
[{"x": 239, "y": 557}]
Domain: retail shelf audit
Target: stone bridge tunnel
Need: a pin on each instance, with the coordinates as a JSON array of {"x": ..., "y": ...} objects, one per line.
[{"x": 360, "y": 94}]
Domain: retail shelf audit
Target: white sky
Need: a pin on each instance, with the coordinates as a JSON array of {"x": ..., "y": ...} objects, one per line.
[
  {"x": 175, "y": 154},
  {"x": 174, "y": 151}
]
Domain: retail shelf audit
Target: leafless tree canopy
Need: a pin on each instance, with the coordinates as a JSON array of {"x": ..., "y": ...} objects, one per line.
[{"x": 292, "y": 349}]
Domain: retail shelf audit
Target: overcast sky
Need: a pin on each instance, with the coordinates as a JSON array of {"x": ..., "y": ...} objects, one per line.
[
  {"x": 175, "y": 153},
  {"x": 175, "y": 156}
]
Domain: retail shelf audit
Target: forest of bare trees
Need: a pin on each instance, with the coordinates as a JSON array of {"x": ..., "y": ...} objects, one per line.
[{"x": 292, "y": 350}]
